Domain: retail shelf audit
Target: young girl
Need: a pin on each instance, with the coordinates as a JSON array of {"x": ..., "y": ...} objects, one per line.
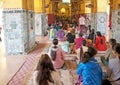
[
  {"x": 45, "y": 73},
  {"x": 57, "y": 55}
]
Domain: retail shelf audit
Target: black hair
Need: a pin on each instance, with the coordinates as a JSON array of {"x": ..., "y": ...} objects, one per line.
[
  {"x": 106, "y": 82},
  {"x": 112, "y": 42},
  {"x": 55, "y": 42},
  {"x": 84, "y": 42},
  {"x": 99, "y": 34},
  {"x": 86, "y": 57},
  {"x": 49, "y": 25},
  {"x": 116, "y": 48},
  {"x": 80, "y": 34},
  {"x": 92, "y": 51},
  {"x": 93, "y": 31}
]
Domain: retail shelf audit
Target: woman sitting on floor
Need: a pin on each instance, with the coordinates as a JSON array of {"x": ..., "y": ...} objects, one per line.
[
  {"x": 100, "y": 42},
  {"x": 45, "y": 73},
  {"x": 89, "y": 69},
  {"x": 108, "y": 55},
  {"x": 113, "y": 69}
]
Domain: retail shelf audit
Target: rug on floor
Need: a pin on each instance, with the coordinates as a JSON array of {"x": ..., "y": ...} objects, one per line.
[{"x": 21, "y": 75}]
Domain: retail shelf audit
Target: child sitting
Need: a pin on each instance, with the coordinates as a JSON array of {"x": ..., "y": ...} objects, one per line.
[
  {"x": 66, "y": 47},
  {"x": 70, "y": 38},
  {"x": 57, "y": 55},
  {"x": 53, "y": 33}
]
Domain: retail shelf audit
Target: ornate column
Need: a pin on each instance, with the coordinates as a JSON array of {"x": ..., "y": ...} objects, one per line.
[
  {"x": 82, "y": 7},
  {"x": 40, "y": 17},
  {"x": 93, "y": 6},
  {"x": 100, "y": 15},
  {"x": 19, "y": 36},
  {"x": 115, "y": 11},
  {"x": 88, "y": 7}
]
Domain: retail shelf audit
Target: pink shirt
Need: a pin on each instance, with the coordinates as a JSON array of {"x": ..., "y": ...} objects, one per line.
[
  {"x": 59, "y": 61},
  {"x": 78, "y": 42}
]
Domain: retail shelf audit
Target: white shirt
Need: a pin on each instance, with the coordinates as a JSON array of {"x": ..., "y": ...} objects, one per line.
[
  {"x": 114, "y": 69},
  {"x": 82, "y": 20}
]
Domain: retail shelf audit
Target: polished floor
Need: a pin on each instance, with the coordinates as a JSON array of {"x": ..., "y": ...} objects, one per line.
[{"x": 10, "y": 64}]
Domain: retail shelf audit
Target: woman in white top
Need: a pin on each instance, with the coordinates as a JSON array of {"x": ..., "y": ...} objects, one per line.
[
  {"x": 114, "y": 66},
  {"x": 45, "y": 73}
]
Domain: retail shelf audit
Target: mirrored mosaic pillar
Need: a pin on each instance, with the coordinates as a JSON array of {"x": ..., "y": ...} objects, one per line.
[{"x": 19, "y": 30}]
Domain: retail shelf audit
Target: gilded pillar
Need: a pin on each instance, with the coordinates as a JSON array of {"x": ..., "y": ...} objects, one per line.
[
  {"x": 41, "y": 19},
  {"x": 82, "y": 7},
  {"x": 102, "y": 16},
  {"x": 88, "y": 11},
  {"x": 99, "y": 15},
  {"x": 93, "y": 6}
]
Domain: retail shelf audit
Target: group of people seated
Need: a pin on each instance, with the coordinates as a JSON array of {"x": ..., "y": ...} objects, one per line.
[{"x": 85, "y": 47}]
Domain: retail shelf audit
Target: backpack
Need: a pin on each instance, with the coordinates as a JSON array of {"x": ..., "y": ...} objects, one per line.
[{"x": 53, "y": 53}]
